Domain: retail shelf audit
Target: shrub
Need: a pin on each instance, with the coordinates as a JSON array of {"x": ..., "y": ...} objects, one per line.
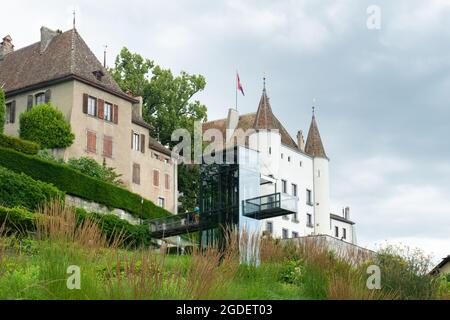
[
  {"x": 2, "y": 110},
  {"x": 17, "y": 144},
  {"x": 46, "y": 154},
  {"x": 406, "y": 272},
  {"x": 23, "y": 221},
  {"x": 19, "y": 190},
  {"x": 75, "y": 183},
  {"x": 46, "y": 125},
  {"x": 92, "y": 168}
]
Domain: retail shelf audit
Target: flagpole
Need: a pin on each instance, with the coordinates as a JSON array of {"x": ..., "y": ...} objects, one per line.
[{"x": 236, "y": 88}]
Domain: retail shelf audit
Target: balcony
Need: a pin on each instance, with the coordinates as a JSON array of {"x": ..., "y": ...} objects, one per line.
[
  {"x": 269, "y": 206},
  {"x": 175, "y": 225}
]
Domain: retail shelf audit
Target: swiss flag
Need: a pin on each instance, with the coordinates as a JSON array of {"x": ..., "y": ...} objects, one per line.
[{"x": 239, "y": 85}]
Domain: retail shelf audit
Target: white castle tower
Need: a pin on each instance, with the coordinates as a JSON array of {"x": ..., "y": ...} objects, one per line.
[{"x": 321, "y": 192}]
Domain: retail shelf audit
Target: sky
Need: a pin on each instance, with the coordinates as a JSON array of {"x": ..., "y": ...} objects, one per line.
[{"x": 382, "y": 94}]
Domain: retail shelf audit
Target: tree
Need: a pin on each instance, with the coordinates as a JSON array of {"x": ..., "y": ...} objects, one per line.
[
  {"x": 46, "y": 125},
  {"x": 189, "y": 186},
  {"x": 167, "y": 98},
  {"x": 93, "y": 169},
  {"x": 131, "y": 72},
  {"x": 2, "y": 110}
]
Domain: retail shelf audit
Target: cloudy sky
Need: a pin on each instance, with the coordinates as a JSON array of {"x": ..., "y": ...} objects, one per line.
[{"x": 383, "y": 96}]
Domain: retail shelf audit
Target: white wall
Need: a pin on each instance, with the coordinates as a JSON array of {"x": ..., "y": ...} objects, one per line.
[{"x": 343, "y": 225}]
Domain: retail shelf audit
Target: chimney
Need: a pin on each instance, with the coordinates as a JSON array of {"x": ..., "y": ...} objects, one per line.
[
  {"x": 137, "y": 108},
  {"x": 300, "y": 141},
  {"x": 6, "y": 46},
  {"x": 347, "y": 213},
  {"x": 46, "y": 37},
  {"x": 232, "y": 122}
]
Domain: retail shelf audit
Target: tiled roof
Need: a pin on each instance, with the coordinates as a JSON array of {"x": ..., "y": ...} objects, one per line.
[
  {"x": 262, "y": 119},
  {"x": 66, "y": 56},
  {"x": 314, "y": 145},
  {"x": 157, "y": 146},
  {"x": 339, "y": 218}
]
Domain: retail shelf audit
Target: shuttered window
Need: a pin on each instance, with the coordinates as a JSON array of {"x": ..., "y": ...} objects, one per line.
[
  {"x": 107, "y": 112},
  {"x": 156, "y": 178},
  {"x": 136, "y": 173},
  {"x": 136, "y": 141},
  {"x": 107, "y": 146},
  {"x": 91, "y": 141},
  {"x": 167, "y": 181}
]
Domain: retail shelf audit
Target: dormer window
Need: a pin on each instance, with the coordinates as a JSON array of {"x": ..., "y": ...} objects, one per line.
[{"x": 98, "y": 74}]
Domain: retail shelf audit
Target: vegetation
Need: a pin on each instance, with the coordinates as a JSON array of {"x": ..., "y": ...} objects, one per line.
[
  {"x": 92, "y": 168},
  {"x": 167, "y": 98},
  {"x": 17, "y": 144},
  {"x": 75, "y": 183},
  {"x": 189, "y": 182},
  {"x": 19, "y": 190},
  {"x": 37, "y": 269},
  {"x": 2, "y": 110},
  {"x": 46, "y": 125}
]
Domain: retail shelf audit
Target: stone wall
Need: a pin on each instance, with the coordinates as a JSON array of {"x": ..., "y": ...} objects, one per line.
[{"x": 91, "y": 206}]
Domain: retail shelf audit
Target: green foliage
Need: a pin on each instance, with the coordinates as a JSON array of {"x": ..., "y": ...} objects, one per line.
[
  {"x": 48, "y": 155},
  {"x": 188, "y": 186},
  {"x": 46, "y": 125},
  {"x": 22, "y": 221},
  {"x": 2, "y": 110},
  {"x": 19, "y": 190},
  {"x": 406, "y": 272},
  {"x": 167, "y": 98},
  {"x": 17, "y": 220},
  {"x": 131, "y": 72},
  {"x": 20, "y": 145},
  {"x": 75, "y": 183},
  {"x": 92, "y": 168},
  {"x": 112, "y": 226},
  {"x": 168, "y": 105}
]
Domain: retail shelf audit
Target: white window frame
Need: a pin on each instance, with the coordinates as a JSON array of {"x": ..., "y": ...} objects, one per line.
[
  {"x": 284, "y": 232},
  {"x": 162, "y": 200},
  {"x": 136, "y": 141},
  {"x": 269, "y": 229},
  {"x": 107, "y": 112},
  {"x": 283, "y": 186},
  {"x": 92, "y": 106},
  {"x": 41, "y": 97},
  {"x": 8, "y": 115}
]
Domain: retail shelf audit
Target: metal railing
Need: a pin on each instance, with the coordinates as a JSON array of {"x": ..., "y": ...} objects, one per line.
[
  {"x": 180, "y": 221},
  {"x": 278, "y": 203}
]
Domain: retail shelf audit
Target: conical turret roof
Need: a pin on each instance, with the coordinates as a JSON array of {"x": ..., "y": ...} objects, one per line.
[{"x": 314, "y": 145}]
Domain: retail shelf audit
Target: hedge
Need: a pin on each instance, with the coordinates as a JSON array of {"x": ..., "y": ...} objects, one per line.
[
  {"x": 20, "y": 190},
  {"x": 75, "y": 183},
  {"x": 23, "y": 221},
  {"x": 20, "y": 145},
  {"x": 2, "y": 110}
]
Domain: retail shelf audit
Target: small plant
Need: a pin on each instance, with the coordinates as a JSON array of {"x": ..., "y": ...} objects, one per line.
[
  {"x": 92, "y": 168},
  {"x": 46, "y": 125}
]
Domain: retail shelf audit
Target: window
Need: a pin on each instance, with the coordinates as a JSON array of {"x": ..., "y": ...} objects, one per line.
[
  {"x": 161, "y": 202},
  {"x": 282, "y": 156},
  {"x": 40, "y": 98},
  {"x": 107, "y": 112},
  {"x": 284, "y": 186},
  {"x": 289, "y": 159},
  {"x": 92, "y": 106},
  {"x": 10, "y": 112},
  {"x": 318, "y": 173},
  {"x": 344, "y": 233},
  {"x": 107, "y": 146},
  {"x": 91, "y": 143},
  {"x": 270, "y": 150},
  {"x": 294, "y": 234},
  {"x": 295, "y": 217},
  {"x": 294, "y": 190},
  {"x": 156, "y": 178},
  {"x": 156, "y": 156},
  {"x": 269, "y": 227},
  {"x": 309, "y": 197},
  {"x": 285, "y": 234},
  {"x": 167, "y": 181},
  {"x": 336, "y": 232},
  {"x": 309, "y": 220},
  {"x": 301, "y": 164},
  {"x": 136, "y": 141},
  {"x": 136, "y": 173}
]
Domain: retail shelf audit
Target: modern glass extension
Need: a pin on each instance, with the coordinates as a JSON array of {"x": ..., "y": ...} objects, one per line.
[{"x": 233, "y": 195}]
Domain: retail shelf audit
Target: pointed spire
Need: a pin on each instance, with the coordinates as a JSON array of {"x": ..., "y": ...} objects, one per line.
[
  {"x": 314, "y": 145},
  {"x": 264, "y": 117}
]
